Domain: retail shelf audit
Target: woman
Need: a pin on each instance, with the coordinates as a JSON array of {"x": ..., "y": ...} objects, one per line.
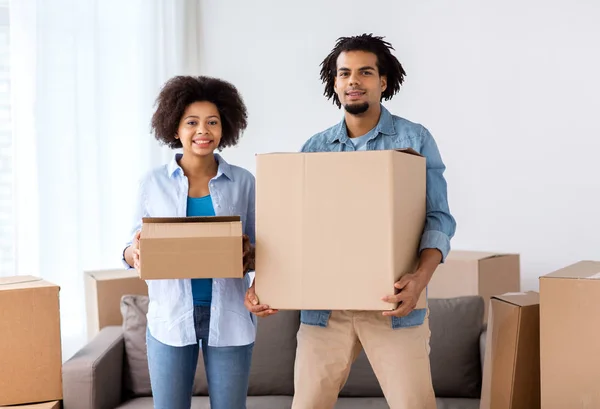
[{"x": 199, "y": 115}]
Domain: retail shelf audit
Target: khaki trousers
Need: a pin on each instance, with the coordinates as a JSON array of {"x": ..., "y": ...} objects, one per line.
[{"x": 399, "y": 358}]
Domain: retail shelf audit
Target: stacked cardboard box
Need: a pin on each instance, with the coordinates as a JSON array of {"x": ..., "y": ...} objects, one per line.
[
  {"x": 30, "y": 342},
  {"x": 476, "y": 273},
  {"x": 103, "y": 292},
  {"x": 570, "y": 336}
]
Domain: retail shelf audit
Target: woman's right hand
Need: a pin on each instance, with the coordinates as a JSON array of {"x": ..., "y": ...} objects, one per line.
[
  {"x": 252, "y": 305},
  {"x": 134, "y": 251}
]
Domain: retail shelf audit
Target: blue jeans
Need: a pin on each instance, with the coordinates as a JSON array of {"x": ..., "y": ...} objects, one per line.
[{"x": 172, "y": 370}]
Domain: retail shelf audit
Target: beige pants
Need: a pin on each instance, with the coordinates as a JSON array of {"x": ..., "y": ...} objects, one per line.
[{"x": 399, "y": 357}]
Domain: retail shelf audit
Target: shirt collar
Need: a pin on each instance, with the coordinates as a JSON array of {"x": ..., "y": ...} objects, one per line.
[
  {"x": 224, "y": 168},
  {"x": 385, "y": 125}
]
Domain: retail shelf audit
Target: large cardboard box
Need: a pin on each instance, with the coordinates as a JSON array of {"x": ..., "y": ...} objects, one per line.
[
  {"x": 570, "y": 337},
  {"x": 191, "y": 247},
  {"x": 511, "y": 371},
  {"x": 103, "y": 292},
  {"x": 45, "y": 405},
  {"x": 337, "y": 230},
  {"x": 476, "y": 273},
  {"x": 30, "y": 342}
]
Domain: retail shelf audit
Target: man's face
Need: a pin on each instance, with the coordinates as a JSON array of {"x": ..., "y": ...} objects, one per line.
[{"x": 358, "y": 84}]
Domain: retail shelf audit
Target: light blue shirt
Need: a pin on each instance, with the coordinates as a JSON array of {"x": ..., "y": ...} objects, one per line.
[
  {"x": 163, "y": 192},
  {"x": 394, "y": 132}
]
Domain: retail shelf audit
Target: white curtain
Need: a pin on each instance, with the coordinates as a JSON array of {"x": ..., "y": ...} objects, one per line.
[{"x": 85, "y": 75}]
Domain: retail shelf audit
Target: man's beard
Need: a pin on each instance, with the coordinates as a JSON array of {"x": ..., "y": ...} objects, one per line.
[{"x": 357, "y": 109}]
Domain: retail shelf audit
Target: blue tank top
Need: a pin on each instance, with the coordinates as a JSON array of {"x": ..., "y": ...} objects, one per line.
[{"x": 201, "y": 287}]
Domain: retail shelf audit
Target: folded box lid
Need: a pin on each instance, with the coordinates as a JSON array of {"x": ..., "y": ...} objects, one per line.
[
  {"x": 520, "y": 299},
  {"x": 463, "y": 255},
  {"x": 23, "y": 282},
  {"x": 190, "y": 227},
  {"x": 585, "y": 269}
]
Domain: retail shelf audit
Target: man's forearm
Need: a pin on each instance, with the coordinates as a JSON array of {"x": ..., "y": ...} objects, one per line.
[{"x": 428, "y": 262}]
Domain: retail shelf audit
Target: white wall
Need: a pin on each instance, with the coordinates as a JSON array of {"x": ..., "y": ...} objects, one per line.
[{"x": 508, "y": 90}]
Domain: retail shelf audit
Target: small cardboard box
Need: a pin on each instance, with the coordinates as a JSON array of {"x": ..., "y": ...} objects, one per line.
[
  {"x": 570, "y": 336},
  {"x": 103, "y": 292},
  {"x": 30, "y": 341},
  {"x": 336, "y": 230},
  {"x": 45, "y": 405},
  {"x": 476, "y": 273},
  {"x": 191, "y": 247},
  {"x": 511, "y": 370}
]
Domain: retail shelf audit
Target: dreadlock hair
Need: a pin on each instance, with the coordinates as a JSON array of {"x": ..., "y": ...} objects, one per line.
[{"x": 387, "y": 64}]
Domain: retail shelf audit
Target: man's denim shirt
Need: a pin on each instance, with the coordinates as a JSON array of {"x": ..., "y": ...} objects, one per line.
[{"x": 393, "y": 132}]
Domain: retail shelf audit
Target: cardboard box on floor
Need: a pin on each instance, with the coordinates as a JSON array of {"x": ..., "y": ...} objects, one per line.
[
  {"x": 337, "y": 230},
  {"x": 570, "y": 336},
  {"x": 191, "y": 247},
  {"x": 476, "y": 273},
  {"x": 45, "y": 405},
  {"x": 511, "y": 370},
  {"x": 103, "y": 292},
  {"x": 30, "y": 342}
]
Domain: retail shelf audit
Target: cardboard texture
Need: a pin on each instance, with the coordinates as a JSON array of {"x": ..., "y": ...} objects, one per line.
[
  {"x": 44, "y": 405},
  {"x": 337, "y": 230},
  {"x": 103, "y": 292},
  {"x": 30, "y": 343},
  {"x": 511, "y": 371},
  {"x": 476, "y": 273},
  {"x": 191, "y": 247},
  {"x": 570, "y": 336}
]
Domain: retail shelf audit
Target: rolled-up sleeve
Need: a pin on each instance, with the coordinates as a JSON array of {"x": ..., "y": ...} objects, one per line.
[
  {"x": 138, "y": 213},
  {"x": 440, "y": 225}
]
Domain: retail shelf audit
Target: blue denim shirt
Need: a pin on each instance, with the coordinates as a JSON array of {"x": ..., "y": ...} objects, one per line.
[{"x": 393, "y": 132}]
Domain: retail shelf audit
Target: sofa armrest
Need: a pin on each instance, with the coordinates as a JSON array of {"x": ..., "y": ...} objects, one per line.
[
  {"x": 92, "y": 378},
  {"x": 482, "y": 340}
]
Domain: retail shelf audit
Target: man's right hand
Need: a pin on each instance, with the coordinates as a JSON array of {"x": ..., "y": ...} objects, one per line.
[{"x": 252, "y": 304}]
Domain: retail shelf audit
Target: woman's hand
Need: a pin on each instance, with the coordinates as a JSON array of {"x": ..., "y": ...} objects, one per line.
[
  {"x": 248, "y": 251},
  {"x": 132, "y": 253}
]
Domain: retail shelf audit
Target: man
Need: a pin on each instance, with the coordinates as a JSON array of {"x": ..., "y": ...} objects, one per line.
[{"x": 358, "y": 74}]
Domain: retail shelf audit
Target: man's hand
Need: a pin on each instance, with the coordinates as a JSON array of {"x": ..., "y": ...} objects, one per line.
[
  {"x": 409, "y": 289},
  {"x": 248, "y": 251},
  {"x": 252, "y": 305},
  {"x": 410, "y": 286}
]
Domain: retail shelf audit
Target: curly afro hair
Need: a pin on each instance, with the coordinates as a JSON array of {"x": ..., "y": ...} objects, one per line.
[
  {"x": 387, "y": 64},
  {"x": 181, "y": 91}
]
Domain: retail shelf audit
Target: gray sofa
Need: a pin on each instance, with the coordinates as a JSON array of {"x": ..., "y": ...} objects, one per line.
[{"x": 111, "y": 371}]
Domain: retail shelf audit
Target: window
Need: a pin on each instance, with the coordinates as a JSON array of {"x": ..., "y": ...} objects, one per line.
[{"x": 7, "y": 219}]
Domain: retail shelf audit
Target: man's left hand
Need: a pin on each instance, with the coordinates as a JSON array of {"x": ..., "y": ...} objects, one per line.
[{"x": 409, "y": 289}]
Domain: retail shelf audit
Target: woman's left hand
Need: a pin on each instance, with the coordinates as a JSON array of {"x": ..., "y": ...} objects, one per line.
[{"x": 248, "y": 251}]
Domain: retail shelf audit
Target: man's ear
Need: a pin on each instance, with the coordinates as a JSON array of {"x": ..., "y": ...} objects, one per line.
[{"x": 383, "y": 83}]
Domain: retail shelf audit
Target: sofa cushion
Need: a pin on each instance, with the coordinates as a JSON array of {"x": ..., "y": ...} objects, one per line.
[
  {"x": 272, "y": 370},
  {"x": 456, "y": 325},
  {"x": 136, "y": 375}
]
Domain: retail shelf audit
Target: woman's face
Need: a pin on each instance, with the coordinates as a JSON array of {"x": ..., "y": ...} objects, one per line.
[{"x": 200, "y": 129}]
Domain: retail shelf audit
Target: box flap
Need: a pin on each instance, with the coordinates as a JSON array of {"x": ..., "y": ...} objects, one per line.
[
  {"x": 520, "y": 299},
  {"x": 197, "y": 219},
  {"x": 116, "y": 274},
  {"x": 586, "y": 269},
  {"x": 461, "y": 255},
  {"x": 23, "y": 282},
  {"x": 410, "y": 151}
]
